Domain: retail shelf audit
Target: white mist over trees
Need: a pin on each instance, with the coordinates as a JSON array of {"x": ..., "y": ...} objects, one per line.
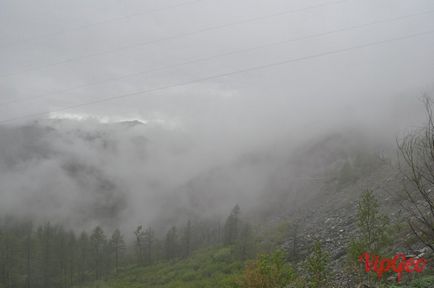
[
  {"x": 190, "y": 136},
  {"x": 86, "y": 173}
]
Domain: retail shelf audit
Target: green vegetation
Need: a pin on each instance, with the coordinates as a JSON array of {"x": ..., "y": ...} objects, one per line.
[
  {"x": 373, "y": 225},
  {"x": 196, "y": 255},
  {"x": 317, "y": 268},
  {"x": 373, "y": 234},
  {"x": 48, "y": 256},
  {"x": 268, "y": 271},
  {"x": 213, "y": 267},
  {"x": 422, "y": 282},
  {"x": 206, "y": 254}
]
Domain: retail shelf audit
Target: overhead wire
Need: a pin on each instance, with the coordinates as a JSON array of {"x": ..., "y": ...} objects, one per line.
[
  {"x": 211, "y": 57},
  {"x": 173, "y": 37},
  {"x": 106, "y": 21},
  {"x": 221, "y": 75}
]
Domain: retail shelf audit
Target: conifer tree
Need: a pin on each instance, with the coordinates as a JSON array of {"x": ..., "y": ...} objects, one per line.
[
  {"x": 140, "y": 236},
  {"x": 98, "y": 247},
  {"x": 171, "y": 244},
  {"x": 83, "y": 253},
  {"x": 245, "y": 246},
  {"x": 231, "y": 226},
  {"x": 187, "y": 240},
  {"x": 148, "y": 243},
  {"x": 117, "y": 245}
]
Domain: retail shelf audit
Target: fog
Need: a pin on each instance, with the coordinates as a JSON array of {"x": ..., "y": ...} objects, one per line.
[{"x": 179, "y": 135}]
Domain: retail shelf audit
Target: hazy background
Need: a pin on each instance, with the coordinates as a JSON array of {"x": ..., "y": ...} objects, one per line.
[{"x": 53, "y": 54}]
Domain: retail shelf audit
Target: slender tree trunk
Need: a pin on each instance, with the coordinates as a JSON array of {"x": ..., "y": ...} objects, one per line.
[{"x": 29, "y": 266}]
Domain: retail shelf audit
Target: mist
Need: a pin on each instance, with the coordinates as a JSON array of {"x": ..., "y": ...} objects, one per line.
[
  {"x": 194, "y": 148},
  {"x": 83, "y": 172}
]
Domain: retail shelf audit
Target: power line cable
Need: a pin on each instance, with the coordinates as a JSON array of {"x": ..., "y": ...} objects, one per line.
[
  {"x": 222, "y": 75},
  {"x": 203, "y": 59},
  {"x": 178, "y": 36},
  {"x": 106, "y": 21}
]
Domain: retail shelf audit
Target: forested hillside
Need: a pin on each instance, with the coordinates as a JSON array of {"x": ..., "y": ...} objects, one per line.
[
  {"x": 352, "y": 200},
  {"x": 216, "y": 144}
]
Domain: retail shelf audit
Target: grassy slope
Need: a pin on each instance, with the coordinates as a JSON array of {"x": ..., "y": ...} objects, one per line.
[
  {"x": 205, "y": 269},
  {"x": 210, "y": 268}
]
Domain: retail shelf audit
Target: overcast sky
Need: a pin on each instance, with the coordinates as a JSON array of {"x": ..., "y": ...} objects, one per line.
[
  {"x": 224, "y": 78},
  {"x": 50, "y": 46}
]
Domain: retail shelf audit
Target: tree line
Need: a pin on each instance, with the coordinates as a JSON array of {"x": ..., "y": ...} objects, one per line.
[{"x": 49, "y": 255}]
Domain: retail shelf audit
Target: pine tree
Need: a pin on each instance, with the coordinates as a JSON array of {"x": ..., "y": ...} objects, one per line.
[
  {"x": 148, "y": 243},
  {"x": 117, "y": 245},
  {"x": 71, "y": 257},
  {"x": 140, "y": 236},
  {"x": 98, "y": 245},
  {"x": 28, "y": 253},
  {"x": 187, "y": 240},
  {"x": 231, "y": 227},
  {"x": 83, "y": 253},
  {"x": 46, "y": 238},
  {"x": 245, "y": 246},
  {"x": 9, "y": 255},
  {"x": 171, "y": 244}
]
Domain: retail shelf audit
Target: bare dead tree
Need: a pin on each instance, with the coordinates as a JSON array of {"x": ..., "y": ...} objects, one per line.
[{"x": 416, "y": 164}]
